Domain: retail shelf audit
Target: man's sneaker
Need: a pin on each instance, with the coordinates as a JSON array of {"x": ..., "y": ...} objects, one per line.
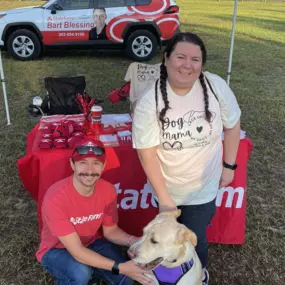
[{"x": 206, "y": 279}]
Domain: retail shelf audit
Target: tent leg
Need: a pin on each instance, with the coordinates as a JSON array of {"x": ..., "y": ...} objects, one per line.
[
  {"x": 232, "y": 42},
  {"x": 4, "y": 90}
]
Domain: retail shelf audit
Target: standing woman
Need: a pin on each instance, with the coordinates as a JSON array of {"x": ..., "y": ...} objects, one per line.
[{"x": 177, "y": 131}]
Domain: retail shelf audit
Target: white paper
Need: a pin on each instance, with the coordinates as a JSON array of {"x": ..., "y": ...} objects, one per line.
[
  {"x": 124, "y": 133},
  {"x": 113, "y": 119},
  {"x": 108, "y": 138}
]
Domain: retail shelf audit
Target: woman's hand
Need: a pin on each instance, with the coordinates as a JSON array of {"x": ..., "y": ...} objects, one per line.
[
  {"x": 227, "y": 177},
  {"x": 132, "y": 240},
  {"x": 166, "y": 204}
]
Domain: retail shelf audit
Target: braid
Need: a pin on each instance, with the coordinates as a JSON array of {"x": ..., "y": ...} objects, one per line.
[
  {"x": 206, "y": 97},
  {"x": 163, "y": 77}
]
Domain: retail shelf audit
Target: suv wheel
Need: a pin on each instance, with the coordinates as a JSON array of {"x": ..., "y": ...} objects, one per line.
[
  {"x": 24, "y": 44},
  {"x": 141, "y": 45}
]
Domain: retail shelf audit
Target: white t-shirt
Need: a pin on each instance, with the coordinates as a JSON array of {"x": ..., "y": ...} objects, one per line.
[
  {"x": 141, "y": 76},
  {"x": 190, "y": 148}
]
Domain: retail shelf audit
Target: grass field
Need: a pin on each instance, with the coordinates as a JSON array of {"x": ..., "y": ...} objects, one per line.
[{"x": 258, "y": 80}]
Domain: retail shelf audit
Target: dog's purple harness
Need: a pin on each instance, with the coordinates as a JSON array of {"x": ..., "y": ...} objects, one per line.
[{"x": 171, "y": 276}]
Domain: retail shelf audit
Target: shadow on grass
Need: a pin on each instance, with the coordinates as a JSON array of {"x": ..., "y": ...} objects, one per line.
[{"x": 77, "y": 53}]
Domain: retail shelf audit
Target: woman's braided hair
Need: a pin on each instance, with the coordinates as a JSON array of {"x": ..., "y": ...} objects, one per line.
[{"x": 170, "y": 47}]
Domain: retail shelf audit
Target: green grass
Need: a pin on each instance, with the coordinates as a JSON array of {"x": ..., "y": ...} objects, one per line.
[{"x": 257, "y": 80}]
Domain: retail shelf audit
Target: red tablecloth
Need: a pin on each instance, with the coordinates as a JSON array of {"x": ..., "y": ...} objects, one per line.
[{"x": 38, "y": 170}]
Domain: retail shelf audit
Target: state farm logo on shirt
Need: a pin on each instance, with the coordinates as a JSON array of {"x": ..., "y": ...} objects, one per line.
[{"x": 84, "y": 219}]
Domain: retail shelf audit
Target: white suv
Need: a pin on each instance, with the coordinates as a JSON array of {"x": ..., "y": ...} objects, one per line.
[{"x": 138, "y": 26}]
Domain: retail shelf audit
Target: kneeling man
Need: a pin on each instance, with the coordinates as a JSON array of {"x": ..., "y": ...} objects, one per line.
[{"x": 75, "y": 211}]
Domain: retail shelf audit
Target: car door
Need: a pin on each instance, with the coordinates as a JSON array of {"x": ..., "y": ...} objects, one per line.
[
  {"x": 117, "y": 17},
  {"x": 68, "y": 21}
]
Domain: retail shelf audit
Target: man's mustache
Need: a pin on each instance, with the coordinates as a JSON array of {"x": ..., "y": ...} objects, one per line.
[{"x": 89, "y": 174}]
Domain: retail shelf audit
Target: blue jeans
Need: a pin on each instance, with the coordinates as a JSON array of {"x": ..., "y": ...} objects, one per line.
[
  {"x": 68, "y": 271},
  {"x": 197, "y": 218}
]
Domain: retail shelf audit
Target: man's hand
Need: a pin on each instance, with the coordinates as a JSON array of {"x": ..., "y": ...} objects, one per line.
[
  {"x": 227, "y": 177},
  {"x": 131, "y": 270}
]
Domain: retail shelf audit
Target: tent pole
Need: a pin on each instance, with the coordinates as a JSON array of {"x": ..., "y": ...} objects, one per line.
[
  {"x": 4, "y": 90},
  {"x": 232, "y": 42}
]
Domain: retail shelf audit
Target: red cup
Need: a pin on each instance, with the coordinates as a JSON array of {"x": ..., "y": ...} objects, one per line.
[
  {"x": 78, "y": 126},
  {"x": 54, "y": 125},
  {"x": 47, "y": 136},
  {"x": 67, "y": 129},
  {"x": 60, "y": 142},
  {"x": 72, "y": 141},
  {"x": 78, "y": 135},
  {"x": 58, "y": 132},
  {"x": 45, "y": 128},
  {"x": 96, "y": 114},
  {"x": 45, "y": 143},
  {"x": 96, "y": 119}
]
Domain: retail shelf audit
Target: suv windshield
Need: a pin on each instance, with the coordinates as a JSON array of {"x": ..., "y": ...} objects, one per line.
[{"x": 46, "y": 4}]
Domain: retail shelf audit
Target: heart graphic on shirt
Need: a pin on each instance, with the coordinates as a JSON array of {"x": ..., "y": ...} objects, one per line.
[
  {"x": 141, "y": 77},
  {"x": 199, "y": 129},
  {"x": 176, "y": 145},
  {"x": 153, "y": 72}
]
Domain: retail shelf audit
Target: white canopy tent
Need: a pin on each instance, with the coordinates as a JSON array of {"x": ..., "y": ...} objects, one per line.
[
  {"x": 2, "y": 77},
  {"x": 232, "y": 42}
]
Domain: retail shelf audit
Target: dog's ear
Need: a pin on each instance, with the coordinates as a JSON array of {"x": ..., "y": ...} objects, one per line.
[
  {"x": 175, "y": 213},
  {"x": 184, "y": 234}
]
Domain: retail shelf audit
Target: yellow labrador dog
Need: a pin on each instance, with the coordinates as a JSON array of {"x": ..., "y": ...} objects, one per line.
[{"x": 168, "y": 249}]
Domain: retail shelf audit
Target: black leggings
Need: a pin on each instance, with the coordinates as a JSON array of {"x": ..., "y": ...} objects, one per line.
[{"x": 197, "y": 218}]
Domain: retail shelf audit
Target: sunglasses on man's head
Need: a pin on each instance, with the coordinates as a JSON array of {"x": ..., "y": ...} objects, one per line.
[{"x": 84, "y": 149}]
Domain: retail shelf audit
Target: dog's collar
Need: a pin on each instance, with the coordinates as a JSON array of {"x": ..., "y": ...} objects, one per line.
[{"x": 166, "y": 275}]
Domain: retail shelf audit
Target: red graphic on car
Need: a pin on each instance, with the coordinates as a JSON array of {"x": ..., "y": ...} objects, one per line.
[{"x": 167, "y": 23}]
